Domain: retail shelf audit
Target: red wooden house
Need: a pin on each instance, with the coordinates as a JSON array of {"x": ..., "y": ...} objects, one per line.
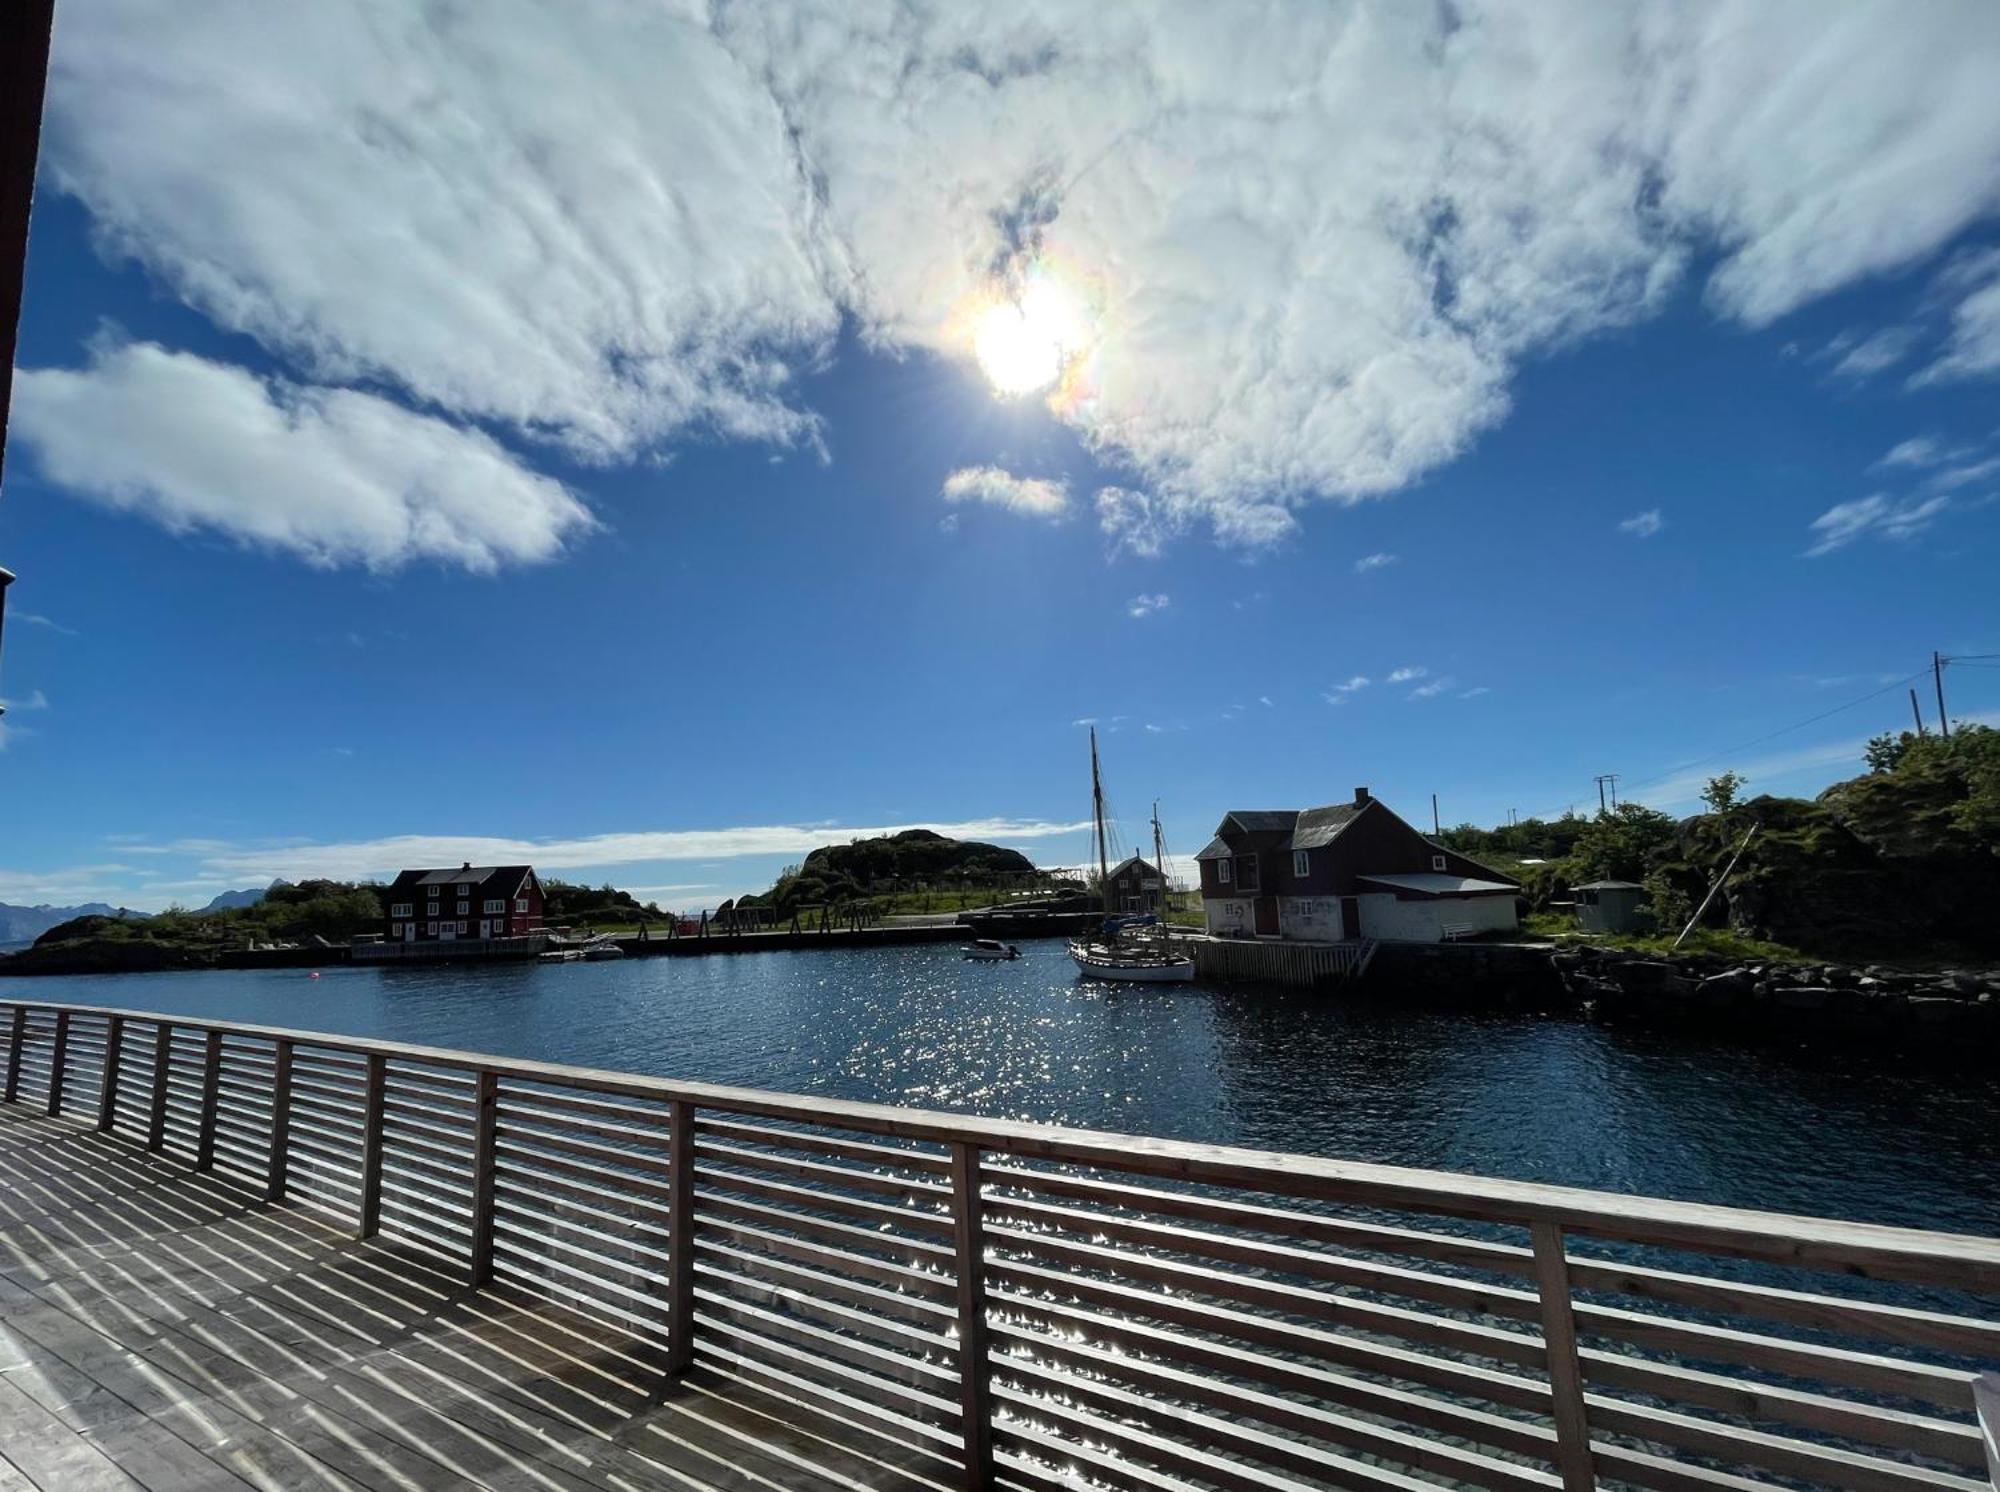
[{"x": 473, "y": 901}]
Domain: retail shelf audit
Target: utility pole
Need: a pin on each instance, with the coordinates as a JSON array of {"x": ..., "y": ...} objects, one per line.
[
  {"x": 1434, "y": 815},
  {"x": 1914, "y": 710},
  {"x": 1511, "y": 819},
  {"x": 1937, "y": 677},
  {"x": 1602, "y": 779}
]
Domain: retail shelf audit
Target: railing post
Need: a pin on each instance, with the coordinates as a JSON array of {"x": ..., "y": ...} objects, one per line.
[
  {"x": 58, "y": 1062},
  {"x": 968, "y": 1237},
  {"x": 211, "y": 1093},
  {"x": 1986, "y": 1399},
  {"x": 107, "y": 1091},
  {"x": 1573, "y": 1460},
  {"x": 163, "y": 1059},
  {"x": 485, "y": 1156},
  {"x": 277, "y": 1169},
  {"x": 372, "y": 1096},
  {"x": 17, "y": 1037},
  {"x": 680, "y": 1237}
]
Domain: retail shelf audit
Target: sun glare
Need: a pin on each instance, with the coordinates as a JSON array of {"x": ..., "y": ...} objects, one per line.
[{"x": 1025, "y": 342}]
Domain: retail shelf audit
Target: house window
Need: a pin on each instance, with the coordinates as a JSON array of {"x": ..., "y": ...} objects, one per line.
[
  {"x": 464, "y": 890},
  {"x": 1246, "y": 872},
  {"x": 494, "y": 906},
  {"x": 1437, "y": 862},
  {"x": 463, "y": 908},
  {"x": 400, "y": 909},
  {"x": 461, "y": 929},
  {"x": 395, "y": 929},
  {"x": 1302, "y": 863},
  {"x": 431, "y": 929},
  {"x": 1223, "y": 871},
  {"x": 521, "y": 904}
]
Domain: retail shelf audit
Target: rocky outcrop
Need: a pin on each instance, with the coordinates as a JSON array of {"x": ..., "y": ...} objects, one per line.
[{"x": 1902, "y": 1007}]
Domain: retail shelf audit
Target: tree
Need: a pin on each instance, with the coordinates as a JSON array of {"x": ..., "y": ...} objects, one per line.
[
  {"x": 1886, "y": 751},
  {"x": 1720, "y": 794},
  {"x": 1620, "y": 845}
]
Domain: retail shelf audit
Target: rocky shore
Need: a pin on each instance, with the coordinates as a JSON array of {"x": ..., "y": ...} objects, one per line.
[{"x": 1945, "y": 1008}]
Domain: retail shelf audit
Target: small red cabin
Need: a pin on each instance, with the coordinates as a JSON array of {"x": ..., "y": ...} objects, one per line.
[{"x": 473, "y": 901}]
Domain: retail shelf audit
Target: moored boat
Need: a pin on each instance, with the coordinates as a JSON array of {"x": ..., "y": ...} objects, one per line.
[
  {"x": 989, "y": 950},
  {"x": 1136, "y": 950}
]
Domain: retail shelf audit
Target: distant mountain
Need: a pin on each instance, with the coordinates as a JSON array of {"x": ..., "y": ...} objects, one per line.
[
  {"x": 230, "y": 899},
  {"x": 25, "y": 924}
]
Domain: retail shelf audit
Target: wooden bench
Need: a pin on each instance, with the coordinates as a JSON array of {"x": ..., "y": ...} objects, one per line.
[{"x": 1456, "y": 931}]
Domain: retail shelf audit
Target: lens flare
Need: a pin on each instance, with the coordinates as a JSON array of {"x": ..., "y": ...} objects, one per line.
[{"x": 1029, "y": 336}]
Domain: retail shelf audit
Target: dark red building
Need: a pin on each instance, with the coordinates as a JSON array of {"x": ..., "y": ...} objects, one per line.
[
  {"x": 1343, "y": 871},
  {"x": 474, "y": 901}
]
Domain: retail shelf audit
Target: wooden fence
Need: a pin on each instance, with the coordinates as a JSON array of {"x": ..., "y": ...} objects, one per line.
[{"x": 1027, "y": 1306}]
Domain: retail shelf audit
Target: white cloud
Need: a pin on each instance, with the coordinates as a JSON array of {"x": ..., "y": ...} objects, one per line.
[
  {"x": 1374, "y": 562},
  {"x": 1034, "y": 497},
  {"x": 1643, "y": 525},
  {"x": 1972, "y": 350},
  {"x": 36, "y": 619},
  {"x": 1919, "y": 451},
  {"x": 333, "y": 475},
  {"x": 1434, "y": 688},
  {"x": 1265, "y": 700},
  {"x": 1843, "y": 523},
  {"x": 1861, "y": 358},
  {"x": 1137, "y": 522},
  {"x": 361, "y": 859},
  {"x": 1954, "y": 477},
  {"x": 1338, "y": 694},
  {"x": 1407, "y": 673},
  {"x": 1474, "y": 693},
  {"x": 35, "y": 701},
  {"x": 1147, "y": 605},
  {"x": 612, "y": 226}
]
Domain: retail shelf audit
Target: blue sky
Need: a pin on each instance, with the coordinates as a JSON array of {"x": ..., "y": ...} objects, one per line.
[{"x": 374, "y": 504}]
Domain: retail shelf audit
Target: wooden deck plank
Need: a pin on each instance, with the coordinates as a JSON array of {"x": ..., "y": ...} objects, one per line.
[{"x": 174, "y": 1330}]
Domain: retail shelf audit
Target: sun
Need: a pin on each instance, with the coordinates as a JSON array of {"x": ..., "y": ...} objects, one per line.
[{"x": 1026, "y": 340}]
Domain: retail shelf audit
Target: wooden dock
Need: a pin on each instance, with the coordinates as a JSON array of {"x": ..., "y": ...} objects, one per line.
[
  {"x": 237, "y": 1254},
  {"x": 1280, "y": 961}
]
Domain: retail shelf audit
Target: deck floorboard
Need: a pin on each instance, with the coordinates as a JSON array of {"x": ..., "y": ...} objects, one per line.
[{"x": 168, "y": 1330}]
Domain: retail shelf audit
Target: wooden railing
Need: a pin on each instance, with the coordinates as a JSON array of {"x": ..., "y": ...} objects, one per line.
[{"x": 1020, "y": 1305}]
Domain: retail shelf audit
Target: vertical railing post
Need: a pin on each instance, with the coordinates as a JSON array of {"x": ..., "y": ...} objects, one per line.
[
  {"x": 58, "y": 1062},
  {"x": 107, "y": 1091},
  {"x": 163, "y": 1061},
  {"x": 1986, "y": 1400},
  {"x": 485, "y": 1159},
  {"x": 277, "y": 1168},
  {"x": 211, "y": 1093},
  {"x": 974, "y": 1369},
  {"x": 17, "y": 1036},
  {"x": 373, "y": 1095},
  {"x": 1573, "y": 1461},
  {"x": 680, "y": 1236}
]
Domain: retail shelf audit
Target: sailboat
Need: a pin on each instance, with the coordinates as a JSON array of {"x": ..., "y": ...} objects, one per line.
[{"x": 1133, "y": 949}]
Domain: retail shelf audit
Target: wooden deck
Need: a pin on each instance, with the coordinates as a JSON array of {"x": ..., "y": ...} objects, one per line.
[{"x": 168, "y": 1329}]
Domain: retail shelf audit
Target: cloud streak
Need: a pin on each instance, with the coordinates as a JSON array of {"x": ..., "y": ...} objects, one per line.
[{"x": 1031, "y": 497}]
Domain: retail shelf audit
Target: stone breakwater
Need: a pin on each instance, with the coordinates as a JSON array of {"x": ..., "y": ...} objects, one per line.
[{"x": 1948, "y": 1008}]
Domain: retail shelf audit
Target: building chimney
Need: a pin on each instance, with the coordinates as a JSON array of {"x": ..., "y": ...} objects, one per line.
[
  {"x": 1360, "y": 796},
  {"x": 466, "y": 866}
]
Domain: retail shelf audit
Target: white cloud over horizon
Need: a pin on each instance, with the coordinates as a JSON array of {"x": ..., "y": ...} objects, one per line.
[
  {"x": 334, "y": 476},
  {"x": 1034, "y": 497},
  {"x": 1643, "y": 525},
  {"x": 609, "y": 228},
  {"x": 1877, "y": 515},
  {"x": 1378, "y": 561}
]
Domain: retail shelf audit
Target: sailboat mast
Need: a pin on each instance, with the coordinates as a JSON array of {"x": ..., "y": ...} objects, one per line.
[
  {"x": 1097, "y": 809},
  {"x": 1160, "y": 858}
]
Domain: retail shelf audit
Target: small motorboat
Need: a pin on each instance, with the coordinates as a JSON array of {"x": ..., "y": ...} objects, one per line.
[
  {"x": 603, "y": 949},
  {"x": 989, "y": 951},
  {"x": 562, "y": 956}
]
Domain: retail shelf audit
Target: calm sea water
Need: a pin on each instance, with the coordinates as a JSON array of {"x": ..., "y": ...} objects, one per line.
[{"x": 1835, "y": 1132}]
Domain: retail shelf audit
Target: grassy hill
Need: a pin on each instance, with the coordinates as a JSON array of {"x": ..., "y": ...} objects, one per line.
[
  {"x": 915, "y": 866},
  {"x": 1901, "y": 862}
]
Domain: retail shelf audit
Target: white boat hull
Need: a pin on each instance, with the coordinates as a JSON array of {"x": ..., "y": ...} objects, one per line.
[{"x": 1099, "y": 965}]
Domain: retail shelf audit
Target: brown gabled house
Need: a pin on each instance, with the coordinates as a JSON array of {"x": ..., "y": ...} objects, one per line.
[
  {"x": 1136, "y": 887},
  {"x": 1347, "y": 870},
  {"x": 474, "y": 901}
]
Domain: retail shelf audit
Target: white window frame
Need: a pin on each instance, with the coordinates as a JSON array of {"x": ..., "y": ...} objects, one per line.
[
  {"x": 463, "y": 908},
  {"x": 1437, "y": 862},
  {"x": 521, "y": 904},
  {"x": 400, "y": 909},
  {"x": 430, "y": 929},
  {"x": 1225, "y": 870},
  {"x": 465, "y": 889},
  {"x": 495, "y": 905},
  {"x": 1302, "y": 863},
  {"x": 461, "y": 929}
]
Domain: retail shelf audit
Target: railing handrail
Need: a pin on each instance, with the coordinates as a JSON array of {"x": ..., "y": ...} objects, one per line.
[{"x": 1875, "y": 1250}]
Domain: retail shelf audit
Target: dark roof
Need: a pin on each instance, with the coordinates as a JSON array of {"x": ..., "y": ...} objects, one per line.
[
  {"x": 1609, "y": 886},
  {"x": 1215, "y": 849},
  {"x": 503, "y": 880},
  {"x": 1434, "y": 884},
  {"x": 1261, "y": 820},
  {"x": 1145, "y": 867},
  {"x": 1321, "y": 826}
]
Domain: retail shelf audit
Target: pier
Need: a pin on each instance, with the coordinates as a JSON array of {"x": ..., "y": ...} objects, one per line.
[{"x": 244, "y": 1253}]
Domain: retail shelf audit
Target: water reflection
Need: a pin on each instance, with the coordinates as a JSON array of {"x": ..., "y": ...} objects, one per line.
[{"x": 1513, "y": 1095}]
